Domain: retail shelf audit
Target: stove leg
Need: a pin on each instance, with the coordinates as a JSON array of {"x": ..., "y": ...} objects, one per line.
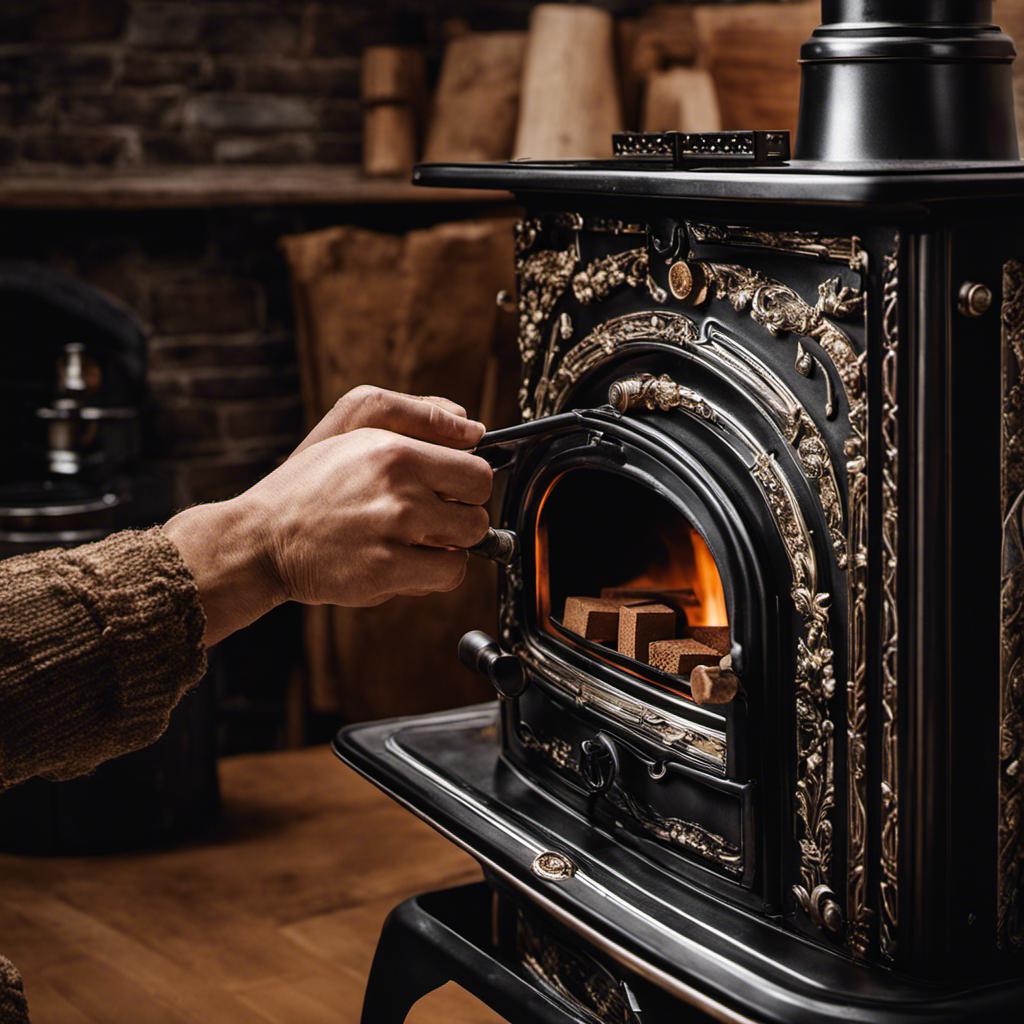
[
  {"x": 404, "y": 970},
  {"x": 430, "y": 940}
]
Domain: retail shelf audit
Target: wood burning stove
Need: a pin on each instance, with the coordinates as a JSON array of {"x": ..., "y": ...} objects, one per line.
[{"x": 759, "y": 747}]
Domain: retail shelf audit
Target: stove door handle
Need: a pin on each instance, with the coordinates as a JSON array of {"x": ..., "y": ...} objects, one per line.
[
  {"x": 500, "y": 447},
  {"x": 483, "y": 654},
  {"x": 501, "y": 546}
]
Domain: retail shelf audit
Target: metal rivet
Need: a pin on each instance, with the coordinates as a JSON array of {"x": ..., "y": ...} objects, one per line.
[
  {"x": 554, "y": 867},
  {"x": 975, "y": 299}
]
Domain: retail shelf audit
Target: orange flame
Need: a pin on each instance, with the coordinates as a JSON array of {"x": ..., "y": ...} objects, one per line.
[{"x": 690, "y": 566}]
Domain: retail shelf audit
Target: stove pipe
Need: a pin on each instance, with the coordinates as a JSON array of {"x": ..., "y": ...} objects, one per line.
[{"x": 907, "y": 80}]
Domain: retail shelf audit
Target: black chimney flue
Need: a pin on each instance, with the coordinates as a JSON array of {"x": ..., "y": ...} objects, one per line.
[{"x": 907, "y": 80}]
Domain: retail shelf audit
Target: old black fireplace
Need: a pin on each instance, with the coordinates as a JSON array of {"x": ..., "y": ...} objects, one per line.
[{"x": 758, "y": 749}]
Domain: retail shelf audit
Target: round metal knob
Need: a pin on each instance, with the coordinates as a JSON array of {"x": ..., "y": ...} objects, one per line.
[
  {"x": 481, "y": 653},
  {"x": 553, "y": 867},
  {"x": 975, "y": 299}
]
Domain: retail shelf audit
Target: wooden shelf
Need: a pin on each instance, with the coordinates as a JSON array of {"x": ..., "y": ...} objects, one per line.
[{"x": 223, "y": 186}]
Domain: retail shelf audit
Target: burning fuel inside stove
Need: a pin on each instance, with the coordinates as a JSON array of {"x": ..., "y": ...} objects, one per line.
[{"x": 620, "y": 567}]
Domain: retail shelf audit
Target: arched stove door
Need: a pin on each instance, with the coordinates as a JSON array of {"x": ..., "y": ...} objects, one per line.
[{"x": 664, "y": 542}]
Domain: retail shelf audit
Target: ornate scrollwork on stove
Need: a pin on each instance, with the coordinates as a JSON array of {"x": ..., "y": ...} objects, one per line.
[
  {"x": 857, "y": 580},
  {"x": 781, "y": 311},
  {"x": 803, "y": 243},
  {"x": 707, "y": 746},
  {"x": 513, "y": 585},
  {"x": 650, "y": 392},
  {"x": 721, "y": 351},
  {"x": 552, "y": 748},
  {"x": 815, "y": 686},
  {"x": 888, "y": 889},
  {"x": 1010, "y": 906},
  {"x": 574, "y": 975},
  {"x": 607, "y": 339},
  {"x": 603, "y": 276},
  {"x": 543, "y": 278},
  {"x": 686, "y": 835}
]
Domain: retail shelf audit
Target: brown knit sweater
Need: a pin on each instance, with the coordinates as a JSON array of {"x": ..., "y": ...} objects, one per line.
[{"x": 97, "y": 645}]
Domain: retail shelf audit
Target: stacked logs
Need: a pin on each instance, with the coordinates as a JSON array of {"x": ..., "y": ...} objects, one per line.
[{"x": 652, "y": 627}]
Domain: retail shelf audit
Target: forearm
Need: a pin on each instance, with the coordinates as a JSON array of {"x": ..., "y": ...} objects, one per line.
[
  {"x": 97, "y": 645},
  {"x": 223, "y": 546}
]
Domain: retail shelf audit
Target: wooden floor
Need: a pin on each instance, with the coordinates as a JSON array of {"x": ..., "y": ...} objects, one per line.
[{"x": 272, "y": 917}]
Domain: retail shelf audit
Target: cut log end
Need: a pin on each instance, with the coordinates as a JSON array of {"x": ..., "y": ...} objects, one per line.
[
  {"x": 713, "y": 685},
  {"x": 715, "y": 637},
  {"x": 592, "y": 618}
]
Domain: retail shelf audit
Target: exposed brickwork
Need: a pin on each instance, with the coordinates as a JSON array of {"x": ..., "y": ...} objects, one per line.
[
  {"x": 123, "y": 84},
  {"x": 213, "y": 288},
  {"x": 118, "y": 85}
]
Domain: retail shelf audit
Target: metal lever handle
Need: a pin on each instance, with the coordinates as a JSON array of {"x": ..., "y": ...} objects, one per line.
[
  {"x": 481, "y": 653},
  {"x": 501, "y": 546}
]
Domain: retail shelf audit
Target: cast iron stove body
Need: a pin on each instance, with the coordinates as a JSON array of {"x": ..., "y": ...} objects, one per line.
[{"x": 816, "y": 372}]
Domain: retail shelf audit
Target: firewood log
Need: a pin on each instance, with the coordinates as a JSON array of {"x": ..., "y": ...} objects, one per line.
[
  {"x": 680, "y": 600},
  {"x": 681, "y": 657},
  {"x": 570, "y": 103},
  {"x": 752, "y": 51},
  {"x": 715, "y": 637},
  {"x": 393, "y": 85},
  {"x": 640, "y": 625},
  {"x": 592, "y": 618},
  {"x": 709, "y": 685},
  {"x": 681, "y": 99},
  {"x": 476, "y": 106}
]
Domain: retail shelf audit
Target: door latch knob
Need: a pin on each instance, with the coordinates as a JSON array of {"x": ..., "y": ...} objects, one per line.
[{"x": 480, "y": 653}]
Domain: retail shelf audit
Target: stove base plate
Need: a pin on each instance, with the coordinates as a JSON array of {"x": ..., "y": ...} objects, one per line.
[{"x": 730, "y": 964}]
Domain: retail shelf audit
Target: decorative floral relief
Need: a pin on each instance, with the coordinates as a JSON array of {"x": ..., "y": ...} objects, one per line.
[
  {"x": 1010, "y": 906},
  {"x": 888, "y": 890}
]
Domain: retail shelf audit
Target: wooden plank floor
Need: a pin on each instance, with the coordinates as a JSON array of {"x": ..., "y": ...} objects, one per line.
[{"x": 272, "y": 916}]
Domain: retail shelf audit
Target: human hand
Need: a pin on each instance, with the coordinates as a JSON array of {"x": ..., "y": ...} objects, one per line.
[
  {"x": 354, "y": 516},
  {"x": 357, "y": 518},
  {"x": 432, "y": 419}
]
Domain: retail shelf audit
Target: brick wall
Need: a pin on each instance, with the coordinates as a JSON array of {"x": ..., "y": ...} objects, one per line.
[
  {"x": 213, "y": 289},
  {"x": 136, "y": 83},
  {"x": 212, "y": 286}
]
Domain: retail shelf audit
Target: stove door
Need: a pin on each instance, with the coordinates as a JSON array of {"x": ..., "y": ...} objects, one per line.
[{"x": 649, "y": 607}]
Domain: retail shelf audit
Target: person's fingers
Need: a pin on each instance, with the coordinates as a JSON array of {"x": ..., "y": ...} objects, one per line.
[
  {"x": 435, "y": 420},
  {"x": 424, "y": 519},
  {"x": 427, "y": 570},
  {"x": 446, "y": 403},
  {"x": 452, "y": 474}
]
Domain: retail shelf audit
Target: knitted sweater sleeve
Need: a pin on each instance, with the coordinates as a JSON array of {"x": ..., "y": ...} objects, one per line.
[{"x": 97, "y": 645}]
